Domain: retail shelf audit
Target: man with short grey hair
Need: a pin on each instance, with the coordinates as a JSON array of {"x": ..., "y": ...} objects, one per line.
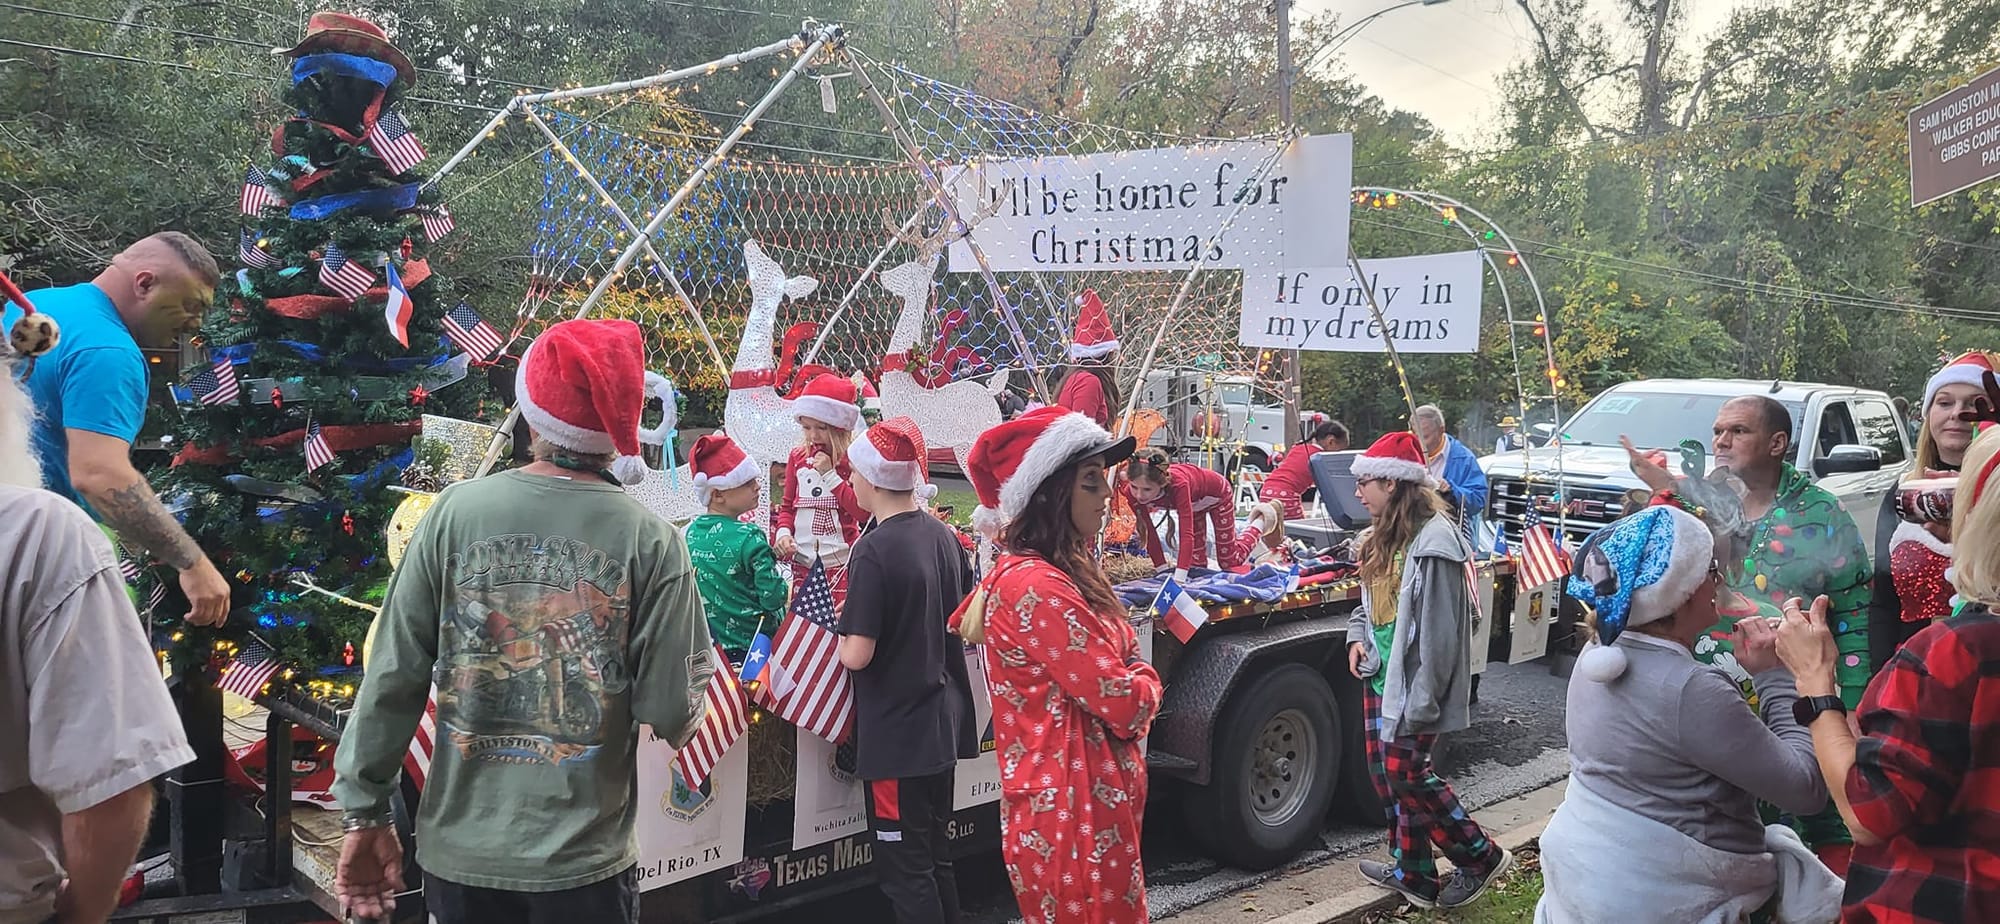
[
  {"x": 1453, "y": 466},
  {"x": 85, "y": 721}
]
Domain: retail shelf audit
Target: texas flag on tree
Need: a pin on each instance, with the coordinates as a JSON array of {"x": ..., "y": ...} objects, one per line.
[{"x": 396, "y": 308}]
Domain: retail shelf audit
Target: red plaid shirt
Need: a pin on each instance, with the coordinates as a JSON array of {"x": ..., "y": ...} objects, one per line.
[{"x": 1926, "y": 780}]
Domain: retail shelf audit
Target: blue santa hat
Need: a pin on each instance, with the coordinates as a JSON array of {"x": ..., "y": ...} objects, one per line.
[{"x": 1635, "y": 571}]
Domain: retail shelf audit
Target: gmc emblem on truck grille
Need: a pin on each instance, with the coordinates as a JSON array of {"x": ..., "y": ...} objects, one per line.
[{"x": 1582, "y": 508}]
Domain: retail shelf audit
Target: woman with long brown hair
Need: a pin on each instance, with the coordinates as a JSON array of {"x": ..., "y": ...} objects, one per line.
[
  {"x": 1072, "y": 694},
  {"x": 1410, "y": 645}
]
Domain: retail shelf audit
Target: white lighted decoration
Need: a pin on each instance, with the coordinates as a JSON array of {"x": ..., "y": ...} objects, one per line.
[
  {"x": 755, "y": 416},
  {"x": 668, "y": 493},
  {"x": 955, "y": 414}
]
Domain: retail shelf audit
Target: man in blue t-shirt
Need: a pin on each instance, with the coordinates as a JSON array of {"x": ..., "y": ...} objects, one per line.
[{"x": 90, "y": 393}]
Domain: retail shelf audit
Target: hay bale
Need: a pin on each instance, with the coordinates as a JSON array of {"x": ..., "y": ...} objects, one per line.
[
  {"x": 1120, "y": 567},
  {"x": 773, "y": 744}
]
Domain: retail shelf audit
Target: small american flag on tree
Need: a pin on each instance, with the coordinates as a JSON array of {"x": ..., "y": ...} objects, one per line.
[
  {"x": 318, "y": 453},
  {"x": 216, "y": 384},
  {"x": 809, "y": 688},
  {"x": 257, "y": 195},
  {"x": 246, "y": 674},
  {"x": 1542, "y": 558},
  {"x": 725, "y": 721},
  {"x": 253, "y": 255},
  {"x": 394, "y": 142},
  {"x": 437, "y": 222},
  {"x": 343, "y": 275},
  {"x": 471, "y": 332}
]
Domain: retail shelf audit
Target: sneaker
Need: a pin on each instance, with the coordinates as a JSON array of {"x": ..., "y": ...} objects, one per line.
[
  {"x": 1465, "y": 888},
  {"x": 1274, "y": 534},
  {"x": 1384, "y": 875}
]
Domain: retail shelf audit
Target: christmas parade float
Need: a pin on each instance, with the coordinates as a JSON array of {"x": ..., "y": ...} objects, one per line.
[{"x": 344, "y": 384}]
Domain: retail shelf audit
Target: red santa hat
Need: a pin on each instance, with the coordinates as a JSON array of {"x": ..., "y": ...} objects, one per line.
[
  {"x": 892, "y": 455},
  {"x": 719, "y": 465},
  {"x": 1010, "y": 460},
  {"x": 1093, "y": 339},
  {"x": 1396, "y": 456},
  {"x": 831, "y": 399},
  {"x": 1968, "y": 369},
  {"x": 582, "y": 386}
]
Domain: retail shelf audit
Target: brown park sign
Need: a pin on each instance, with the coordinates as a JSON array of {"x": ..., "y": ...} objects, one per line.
[{"x": 1955, "y": 140}]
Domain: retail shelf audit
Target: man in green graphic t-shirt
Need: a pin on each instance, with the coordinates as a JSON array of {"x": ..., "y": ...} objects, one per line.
[{"x": 554, "y": 614}]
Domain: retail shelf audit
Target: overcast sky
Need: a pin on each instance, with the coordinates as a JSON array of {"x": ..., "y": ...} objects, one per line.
[{"x": 1443, "y": 61}]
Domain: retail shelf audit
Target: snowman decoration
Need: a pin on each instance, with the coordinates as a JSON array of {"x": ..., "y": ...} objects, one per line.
[{"x": 819, "y": 512}]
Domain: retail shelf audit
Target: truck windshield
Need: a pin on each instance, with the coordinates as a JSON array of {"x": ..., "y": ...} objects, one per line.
[
  {"x": 1232, "y": 394},
  {"x": 1654, "y": 420}
]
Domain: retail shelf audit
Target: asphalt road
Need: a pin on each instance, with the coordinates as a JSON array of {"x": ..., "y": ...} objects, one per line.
[{"x": 1515, "y": 745}]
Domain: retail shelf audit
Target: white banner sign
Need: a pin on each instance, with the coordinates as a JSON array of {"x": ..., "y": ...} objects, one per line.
[
  {"x": 828, "y": 799},
  {"x": 1431, "y": 304},
  {"x": 685, "y": 832},
  {"x": 1160, "y": 209},
  {"x": 977, "y": 779}
]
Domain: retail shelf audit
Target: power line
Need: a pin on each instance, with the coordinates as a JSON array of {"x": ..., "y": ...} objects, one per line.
[
  {"x": 1751, "y": 286},
  {"x": 486, "y": 110}
]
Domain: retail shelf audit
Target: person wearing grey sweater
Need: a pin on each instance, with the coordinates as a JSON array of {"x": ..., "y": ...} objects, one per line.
[
  {"x": 1410, "y": 645},
  {"x": 1666, "y": 762}
]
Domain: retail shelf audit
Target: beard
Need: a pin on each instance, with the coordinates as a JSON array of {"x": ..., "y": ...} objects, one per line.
[{"x": 18, "y": 463}]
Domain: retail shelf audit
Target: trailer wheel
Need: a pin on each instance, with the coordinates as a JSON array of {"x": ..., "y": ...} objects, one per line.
[{"x": 1276, "y": 764}]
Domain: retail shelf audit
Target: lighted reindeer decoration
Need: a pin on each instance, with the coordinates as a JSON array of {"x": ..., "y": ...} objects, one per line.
[
  {"x": 755, "y": 415},
  {"x": 951, "y": 415}
]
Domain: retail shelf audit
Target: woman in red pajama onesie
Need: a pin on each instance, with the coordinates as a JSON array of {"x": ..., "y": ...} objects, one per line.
[
  {"x": 1072, "y": 695},
  {"x": 1287, "y": 485},
  {"x": 1192, "y": 493}
]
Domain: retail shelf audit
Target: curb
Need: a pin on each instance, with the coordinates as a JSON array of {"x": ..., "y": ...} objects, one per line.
[{"x": 1352, "y": 904}]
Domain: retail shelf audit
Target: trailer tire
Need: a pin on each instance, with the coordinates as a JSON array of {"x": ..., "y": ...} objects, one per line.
[{"x": 1276, "y": 765}]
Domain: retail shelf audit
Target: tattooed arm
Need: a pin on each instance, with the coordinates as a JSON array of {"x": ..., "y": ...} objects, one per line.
[{"x": 101, "y": 469}]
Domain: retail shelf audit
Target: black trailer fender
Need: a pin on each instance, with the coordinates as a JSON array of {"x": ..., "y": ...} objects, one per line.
[{"x": 1210, "y": 667}]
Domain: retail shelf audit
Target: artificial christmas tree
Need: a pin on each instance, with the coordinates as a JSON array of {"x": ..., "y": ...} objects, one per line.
[{"x": 325, "y": 351}]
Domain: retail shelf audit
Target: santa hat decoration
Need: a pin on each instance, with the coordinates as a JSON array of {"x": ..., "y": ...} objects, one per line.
[
  {"x": 1635, "y": 571},
  {"x": 892, "y": 455},
  {"x": 582, "y": 386},
  {"x": 830, "y": 399},
  {"x": 1396, "y": 456},
  {"x": 1968, "y": 369},
  {"x": 719, "y": 465},
  {"x": 1093, "y": 339},
  {"x": 1010, "y": 460}
]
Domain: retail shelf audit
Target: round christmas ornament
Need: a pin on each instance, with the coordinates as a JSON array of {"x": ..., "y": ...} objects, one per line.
[{"x": 403, "y": 524}]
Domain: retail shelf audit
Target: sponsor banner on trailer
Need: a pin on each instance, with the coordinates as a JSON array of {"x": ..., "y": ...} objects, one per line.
[
  {"x": 685, "y": 832},
  {"x": 1160, "y": 208},
  {"x": 977, "y": 779},
  {"x": 828, "y": 795},
  {"x": 1431, "y": 305}
]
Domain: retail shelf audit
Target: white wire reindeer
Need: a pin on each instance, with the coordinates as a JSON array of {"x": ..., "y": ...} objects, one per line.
[{"x": 951, "y": 416}]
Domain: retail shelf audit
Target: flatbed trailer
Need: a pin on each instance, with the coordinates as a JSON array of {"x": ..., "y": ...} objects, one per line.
[{"x": 1258, "y": 744}]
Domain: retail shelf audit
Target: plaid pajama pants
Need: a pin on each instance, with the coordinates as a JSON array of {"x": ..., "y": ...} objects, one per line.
[{"x": 1422, "y": 808}]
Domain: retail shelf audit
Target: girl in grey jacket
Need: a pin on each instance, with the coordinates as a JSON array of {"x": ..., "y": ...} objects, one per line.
[{"x": 1410, "y": 644}]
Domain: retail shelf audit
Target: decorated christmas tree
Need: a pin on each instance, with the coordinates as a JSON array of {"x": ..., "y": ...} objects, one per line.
[{"x": 325, "y": 351}]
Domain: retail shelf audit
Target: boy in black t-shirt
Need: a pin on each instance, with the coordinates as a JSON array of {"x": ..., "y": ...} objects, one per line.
[{"x": 912, "y": 699}]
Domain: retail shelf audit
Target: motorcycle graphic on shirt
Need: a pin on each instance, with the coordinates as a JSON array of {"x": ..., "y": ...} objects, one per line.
[{"x": 532, "y": 649}]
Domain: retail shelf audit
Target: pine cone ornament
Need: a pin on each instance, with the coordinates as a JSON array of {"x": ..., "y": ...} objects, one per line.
[{"x": 421, "y": 475}]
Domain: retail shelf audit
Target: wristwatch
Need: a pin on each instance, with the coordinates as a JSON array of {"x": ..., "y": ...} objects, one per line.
[{"x": 1807, "y": 708}]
